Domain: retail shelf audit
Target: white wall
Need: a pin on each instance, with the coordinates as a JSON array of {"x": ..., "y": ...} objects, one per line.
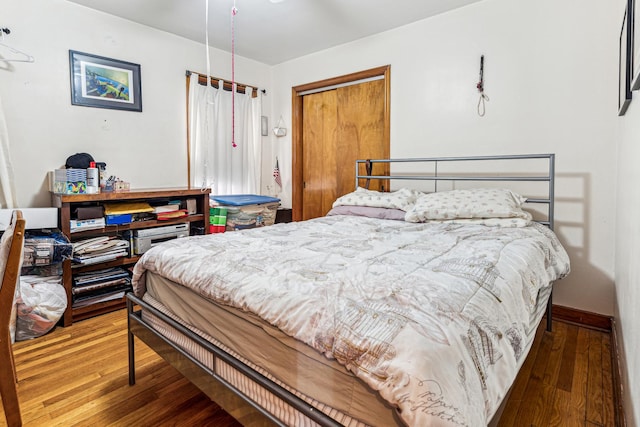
[
  {"x": 149, "y": 148},
  {"x": 551, "y": 75},
  {"x": 550, "y": 70},
  {"x": 628, "y": 252}
]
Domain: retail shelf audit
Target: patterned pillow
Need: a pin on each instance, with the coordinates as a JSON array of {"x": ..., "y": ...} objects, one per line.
[
  {"x": 402, "y": 199},
  {"x": 474, "y": 203}
]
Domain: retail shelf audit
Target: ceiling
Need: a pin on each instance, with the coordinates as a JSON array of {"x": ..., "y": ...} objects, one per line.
[{"x": 274, "y": 31}]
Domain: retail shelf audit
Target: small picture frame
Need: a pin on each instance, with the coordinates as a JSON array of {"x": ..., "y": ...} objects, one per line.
[
  {"x": 624, "y": 61},
  {"x": 97, "y": 81}
]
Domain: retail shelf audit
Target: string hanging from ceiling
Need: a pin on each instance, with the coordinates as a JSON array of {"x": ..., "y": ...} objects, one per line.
[
  {"x": 234, "y": 11},
  {"x": 205, "y": 163}
]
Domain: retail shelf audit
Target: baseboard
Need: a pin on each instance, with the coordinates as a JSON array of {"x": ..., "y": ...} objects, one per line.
[
  {"x": 620, "y": 418},
  {"x": 582, "y": 318}
]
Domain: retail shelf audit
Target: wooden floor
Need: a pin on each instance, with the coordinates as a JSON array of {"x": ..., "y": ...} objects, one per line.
[
  {"x": 566, "y": 381},
  {"x": 77, "y": 376}
]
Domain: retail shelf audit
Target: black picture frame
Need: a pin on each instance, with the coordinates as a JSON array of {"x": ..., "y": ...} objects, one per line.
[
  {"x": 624, "y": 61},
  {"x": 635, "y": 47},
  {"x": 97, "y": 81}
]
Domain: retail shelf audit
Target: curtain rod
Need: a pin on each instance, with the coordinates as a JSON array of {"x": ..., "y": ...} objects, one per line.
[{"x": 227, "y": 84}]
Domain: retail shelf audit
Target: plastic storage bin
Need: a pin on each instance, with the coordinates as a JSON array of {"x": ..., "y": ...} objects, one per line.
[{"x": 247, "y": 210}]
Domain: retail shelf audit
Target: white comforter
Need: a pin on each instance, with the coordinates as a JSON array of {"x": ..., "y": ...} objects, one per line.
[{"x": 437, "y": 317}]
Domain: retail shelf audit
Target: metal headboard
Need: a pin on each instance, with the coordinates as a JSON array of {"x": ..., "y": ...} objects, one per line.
[{"x": 544, "y": 176}]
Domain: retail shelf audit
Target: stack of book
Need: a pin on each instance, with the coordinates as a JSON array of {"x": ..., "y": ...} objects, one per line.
[
  {"x": 100, "y": 285},
  {"x": 99, "y": 249}
]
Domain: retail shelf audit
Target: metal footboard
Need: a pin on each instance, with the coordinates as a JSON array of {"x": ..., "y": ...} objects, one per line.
[{"x": 206, "y": 379}]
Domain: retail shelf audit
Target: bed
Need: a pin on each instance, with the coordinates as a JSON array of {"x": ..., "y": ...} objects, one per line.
[{"x": 405, "y": 307}]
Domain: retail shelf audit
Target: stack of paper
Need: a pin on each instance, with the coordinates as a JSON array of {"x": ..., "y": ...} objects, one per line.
[
  {"x": 99, "y": 249},
  {"x": 120, "y": 208},
  {"x": 101, "y": 285}
]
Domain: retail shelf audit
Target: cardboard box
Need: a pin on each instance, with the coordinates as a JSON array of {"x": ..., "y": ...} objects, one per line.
[
  {"x": 69, "y": 187},
  {"x": 69, "y": 181},
  {"x": 89, "y": 212}
]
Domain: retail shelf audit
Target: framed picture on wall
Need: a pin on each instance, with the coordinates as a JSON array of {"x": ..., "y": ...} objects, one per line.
[
  {"x": 102, "y": 82},
  {"x": 635, "y": 46},
  {"x": 624, "y": 62}
]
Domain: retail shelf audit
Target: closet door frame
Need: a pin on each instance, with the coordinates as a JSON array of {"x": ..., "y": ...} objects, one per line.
[{"x": 297, "y": 93}]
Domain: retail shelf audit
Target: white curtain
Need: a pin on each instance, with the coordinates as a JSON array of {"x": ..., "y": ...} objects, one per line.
[
  {"x": 7, "y": 186},
  {"x": 215, "y": 163}
]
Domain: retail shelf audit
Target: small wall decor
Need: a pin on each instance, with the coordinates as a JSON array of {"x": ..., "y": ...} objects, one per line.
[
  {"x": 280, "y": 129},
  {"x": 624, "y": 61},
  {"x": 480, "y": 86},
  {"x": 102, "y": 82}
]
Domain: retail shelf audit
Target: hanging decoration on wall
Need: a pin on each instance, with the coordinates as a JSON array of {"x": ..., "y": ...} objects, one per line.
[
  {"x": 480, "y": 87},
  {"x": 280, "y": 130},
  {"x": 234, "y": 11}
]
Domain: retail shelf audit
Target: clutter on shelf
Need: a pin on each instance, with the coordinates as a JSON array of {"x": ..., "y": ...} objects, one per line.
[{"x": 83, "y": 175}]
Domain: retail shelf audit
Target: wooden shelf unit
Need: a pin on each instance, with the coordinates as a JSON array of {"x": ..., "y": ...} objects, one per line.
[{"x": 66, "y": 203}]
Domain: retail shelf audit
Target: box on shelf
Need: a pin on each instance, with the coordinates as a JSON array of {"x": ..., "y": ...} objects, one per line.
[
  {"x": 76, "y": 225},
  {"x": 69, "y": 181},
  {"x": 247, "y": 210},
  {"x": 88, "y": 212},
  {"x": 118, "y": 219}
]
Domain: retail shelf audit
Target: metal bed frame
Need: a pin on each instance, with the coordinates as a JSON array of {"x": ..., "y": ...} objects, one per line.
[
  {"x": 548, "y": 177},
  {"x": 216, "y": 387}
]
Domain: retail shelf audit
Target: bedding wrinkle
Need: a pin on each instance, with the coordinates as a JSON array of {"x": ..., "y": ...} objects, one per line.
[{"x": 393, "y": 302}]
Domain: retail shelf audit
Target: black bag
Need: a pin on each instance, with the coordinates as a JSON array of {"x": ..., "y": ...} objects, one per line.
[{"x": 79, "y": 161}]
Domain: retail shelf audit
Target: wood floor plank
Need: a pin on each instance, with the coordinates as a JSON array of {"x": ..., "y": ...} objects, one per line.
[
  {"x": 555, "y": 356},
  {"x": 567, "y": 366},
  {"x": 579, "y": 385},
  {"x": 562, "y": 412},
  {"x": 546, "y": 399},
  {"x": 594, "y": 379},
  {"x": 78, "y": 376}
]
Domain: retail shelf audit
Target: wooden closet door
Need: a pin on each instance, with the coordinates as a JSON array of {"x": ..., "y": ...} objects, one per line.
[
  {"x": 339, "y": 126},
  {"x": 319, "y": 156}
]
